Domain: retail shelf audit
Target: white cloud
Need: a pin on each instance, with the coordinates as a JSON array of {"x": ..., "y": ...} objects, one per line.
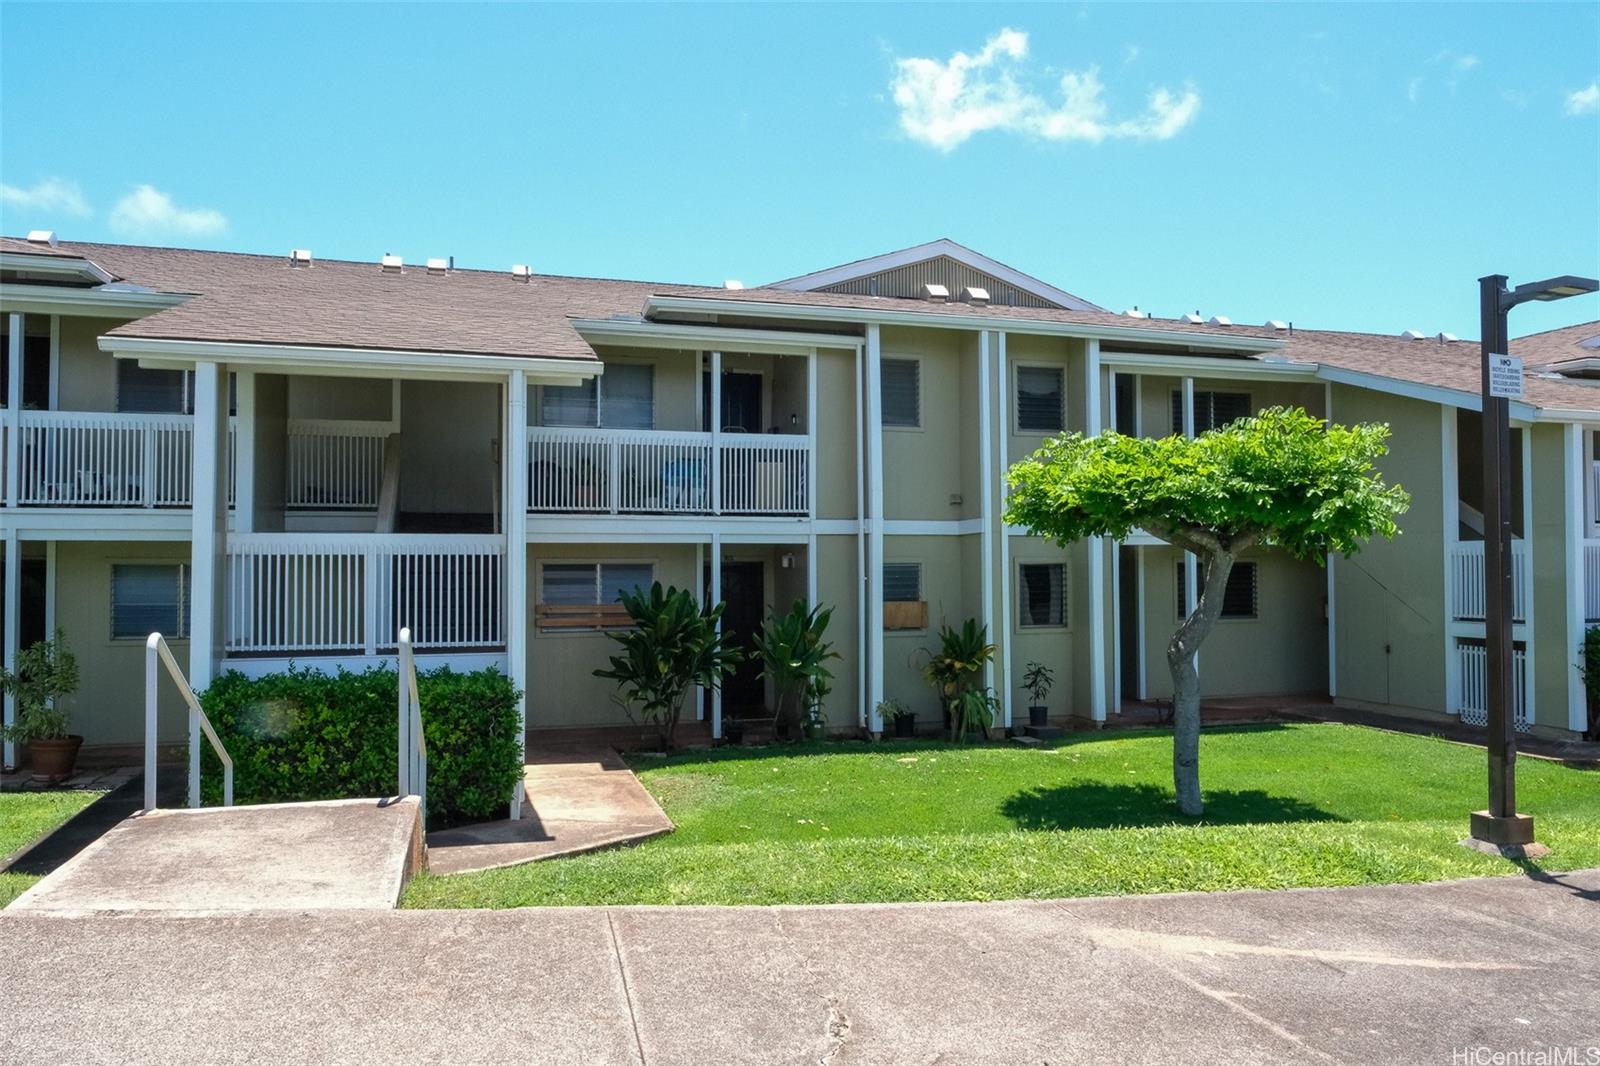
[
  {"x": 49, "y": 195},
  {"x": 1130, "y": 53},
  {"x": 942, "y": 104},
  {"x": 1584, "y": 101},
  {"x": 147, "y": 211},
  {"x": 1413, "y": 89}
]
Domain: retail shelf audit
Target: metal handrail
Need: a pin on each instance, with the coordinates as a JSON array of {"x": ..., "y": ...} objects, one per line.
[
  {"x": 156, "y": 648},
  {"x": 413, "y": 754}
]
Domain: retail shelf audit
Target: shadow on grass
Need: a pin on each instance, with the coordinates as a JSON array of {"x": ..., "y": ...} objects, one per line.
[{"x": 1096, "y": 805}]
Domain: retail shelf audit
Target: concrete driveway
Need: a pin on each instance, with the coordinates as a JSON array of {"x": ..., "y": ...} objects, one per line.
[{"x": 1350, "y": 975}]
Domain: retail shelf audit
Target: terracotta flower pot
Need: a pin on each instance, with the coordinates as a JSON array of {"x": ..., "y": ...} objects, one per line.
[{"x": 53, "y": 760}]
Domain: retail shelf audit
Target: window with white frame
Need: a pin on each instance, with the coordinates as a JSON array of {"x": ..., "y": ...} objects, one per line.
[
  {"x": 591, "y": 584},
  {"x": 902, "y": 582},
  {"x": 902, "y": 392},
  {"x": 1042, "y": 594},
  {"x": 621, "y": 398},
  {"x": 1238, "y": 599},
  {"x": 1212, "y": 410},
  {"x": 149, "y": 598},
  {"x": 1041, "y": 399}
]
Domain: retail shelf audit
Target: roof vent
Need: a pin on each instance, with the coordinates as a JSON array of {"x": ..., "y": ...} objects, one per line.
[
  {"x": 733, "y": 283},
  {"x": 1219, "y": 320},
  {"x": 1194, "y": 319},
  {"x": 1134, "y": 312},
  {"x": 935, "y": 293},
  {"x": 300, "y": 257},
  {"x": 42, "y": 236},
  {"x": 438, "y": 266},
  {"x": 521, "y": 271},
  {"x": 1411, "y": 335},
  {"x": 1277, "y": 323},
  {"x": 975, "y": 296},
  {"x": 1447, "y": 338},
  {"x": 392, "y": 264}
]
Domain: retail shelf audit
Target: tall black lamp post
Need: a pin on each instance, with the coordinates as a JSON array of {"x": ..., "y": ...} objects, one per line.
[{"x": 1501, "y": 827}]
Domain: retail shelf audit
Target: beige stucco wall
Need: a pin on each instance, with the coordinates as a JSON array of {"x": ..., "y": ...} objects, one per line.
[
  {"x": 924, "y": 466},
  {"x": 1155, "y": 398},
  {"x": 945, "y": 584},
  {"x": 1553, "y": 646},
  {"x": 1389, "y": 598},
  {"x": 1063, "y": 649},
  {"x": 109, "y": 705},
  {"x": 839, "y": 587},
  {"x": 448, "y": 434},
  {"x": 837, "y": 433},
  {"x": 87, "y": 376}
]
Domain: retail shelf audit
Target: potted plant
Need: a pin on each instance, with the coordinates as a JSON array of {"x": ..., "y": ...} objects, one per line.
[
  {"x": 1589, "y": 668},
  {"x": 954, "y": 671},
  {"x": 1036, "y": 682},
  {"x": 793, "y": 654},
  {"x": 973, "y": 711},
  {"x": 45, "y": 673},
  {"x": 902, "y": 718}
]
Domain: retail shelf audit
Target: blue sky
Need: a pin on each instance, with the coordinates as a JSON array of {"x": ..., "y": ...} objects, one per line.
[{"x": 1342, "y": 166}]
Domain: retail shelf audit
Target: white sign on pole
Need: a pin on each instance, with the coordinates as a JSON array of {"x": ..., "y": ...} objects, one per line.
[{"x": 1505, "y": 377}]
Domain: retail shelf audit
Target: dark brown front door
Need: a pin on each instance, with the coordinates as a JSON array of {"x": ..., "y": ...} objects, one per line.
[{"x": 743, "y": 691}]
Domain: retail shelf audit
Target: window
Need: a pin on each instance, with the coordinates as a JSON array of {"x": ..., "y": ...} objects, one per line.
[
  {"x": 1040, "y": 399},
  {"x": 149, "y": 598},
  {"x": 1042, "y": 594},
  {"x": 902, "y": 392},
  {"x": 902, "y": 582},
  {"x": 1212, "y": 410},
  {"x": 621, "y": 398},
  {"x": 592, "y": 584},
  {"x": 1238, "y": 599}
]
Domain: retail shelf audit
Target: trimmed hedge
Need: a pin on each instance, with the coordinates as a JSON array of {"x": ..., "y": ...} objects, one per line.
[{"x": 307, "y": 735}]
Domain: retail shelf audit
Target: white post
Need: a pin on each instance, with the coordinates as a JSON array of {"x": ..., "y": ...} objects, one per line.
[
  {"x": 13, "y": 625},
  {"x": 1097, "y": 553},
  {"x": 516, "y": 570},
  {"x": 874, "y": 665},
  {"x": 14, "y": 408},
  {"x": 244, "y": 448},
  {"x": 1577, "y": 581},
  {"x": 1116, "y": 574},
  {"x": 1529, "y": 689},
  {"x": 700, "y": 600},
  {"x": 150, "y": 738},
  {"x": 55, "y": 362},
  {"x": 986, "y": 508},
  {"x": 1007, "y": 619},
  {"x": 716, "y": 467},
  {"x": 1191, "y": 562},
  {"x": 1333, "y": 614},
  {"x": 863, "y": 710},
  {"x": 716, "y": 598},
  {"x": 811, "y": 437},
  {"x": 403, "y": 784},
  {"x": 209, "y": 534}
]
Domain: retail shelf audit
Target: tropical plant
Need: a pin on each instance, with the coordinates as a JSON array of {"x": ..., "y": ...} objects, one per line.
[
  {"x": 892, "y": 710},
  {"x": 1037, "y": 680},
  {"x": 955, "y": 668},
  {"x": 793, "y": 656},
  {"x": 673, "y": 646},
  {"x": 1589, "y": 669},
  {"x": 45, "y": 672},
  {"x": 973, "y": 710},
  {"x": 1282, "y": 479}
]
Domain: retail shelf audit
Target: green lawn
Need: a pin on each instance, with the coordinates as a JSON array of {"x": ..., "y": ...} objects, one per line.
[
  {"x": 1288, "y": 805},
  {"x": 24, "y": 818}
]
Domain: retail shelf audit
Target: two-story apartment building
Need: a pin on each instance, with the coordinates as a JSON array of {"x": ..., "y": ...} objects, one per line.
[{"x": 280, "y": 459}]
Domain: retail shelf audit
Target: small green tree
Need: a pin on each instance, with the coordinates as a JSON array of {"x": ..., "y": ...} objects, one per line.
[
  {"x": 672, "y": 646},
  {"x": 793, "y": 655},
  {"x": 1282, "y": 478},
  {"x": 953, "y": 672},
  {"x": 45, "y": 672}
]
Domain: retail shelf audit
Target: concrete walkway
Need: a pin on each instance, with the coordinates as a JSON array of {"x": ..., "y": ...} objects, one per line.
[
  {"x": 578, "y": 799},
  {"x": 1406, "y": 973},
  {"x": 280, "y": 856}
]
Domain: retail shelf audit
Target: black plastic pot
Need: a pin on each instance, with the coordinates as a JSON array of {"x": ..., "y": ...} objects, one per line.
[
  {"x": 733, "y": 731},
  {"x": 1038, "y": 716},
  {"x": 905, "y": 726}
]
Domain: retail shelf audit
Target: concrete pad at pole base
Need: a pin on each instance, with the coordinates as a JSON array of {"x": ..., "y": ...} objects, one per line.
[
  {"x": 1510, "y": 831},
  {"x": 332, "y": 854}
]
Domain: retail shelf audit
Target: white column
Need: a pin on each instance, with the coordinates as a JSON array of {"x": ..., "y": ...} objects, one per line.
[
  {"x": 699, "y": 587},
  {"x": 1333, "y": 612},
  {"x": 1097, "y": 551},
  {"x": 1450, "y": 487},
  {"x": 244, "y": 450},
  {"x": 1116, "y": 575},
  {"x": 1007, "y": 619},
  {"x": 14, "y": 408},
  {"x": 874, "y": 520},
  {"x": 209, "y": 533},
  {"x": 516, "y": 527},
  {"x": 864, "y": 710},
  {"x": 1572, "y": 525},
  {"x": 1191, "y": 562},
  {"x": 1530, "y": 690},
  {"x": 986, "y": 506},
  {"x": 716, "y": 598},
  {"x": 13, "y": 626},
  {"x": 1139, "y": 555},
  {"x": 811, "y": 438},
  {"x": 716, "y": 444},
  {"x": 55, "y": 362}
]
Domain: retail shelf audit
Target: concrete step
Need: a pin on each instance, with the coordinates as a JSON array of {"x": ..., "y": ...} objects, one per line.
[
  {"x": 333, "y": 854},
  {"x": 1044, "y": 732}
]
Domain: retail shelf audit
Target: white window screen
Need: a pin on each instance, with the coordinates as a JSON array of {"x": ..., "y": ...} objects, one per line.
[
  {"x": 902, "y": 582},
  {"x": 149, "y": 598},
  {"x": 627, "y": 396},
  {"x": 570, "y": 405},
  {"x": 591, "y": 584},
  {"x": 902, "y": 392}
]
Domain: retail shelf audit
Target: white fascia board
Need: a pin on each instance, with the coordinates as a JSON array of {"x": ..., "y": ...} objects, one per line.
[
  {"x": 1206, "y": 366},
  {"x": 821, "y": 279},
  {"x": 646, "y": 334},
  {"x": 132, "y": 523},
  {"x": 1415, "y": 390},
  {"x": 363, "y": 361},
  {"x": 55, "y": 264},
  {"x": 665, "y": 529},
  {"x": 59, "y": 300},
  {"x": 889, "y": 317}
]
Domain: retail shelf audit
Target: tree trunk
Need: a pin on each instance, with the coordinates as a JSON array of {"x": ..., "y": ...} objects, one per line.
[{"x": 1181, "y": 650}]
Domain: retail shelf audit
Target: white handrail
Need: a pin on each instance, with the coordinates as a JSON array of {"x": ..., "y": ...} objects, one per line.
[
  {"x": 155, "y": 647},
  {"x": 413, "y": 752}
]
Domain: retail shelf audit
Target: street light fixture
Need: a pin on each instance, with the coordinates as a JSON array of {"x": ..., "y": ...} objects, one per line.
[{"x": 1500, "y": 827}]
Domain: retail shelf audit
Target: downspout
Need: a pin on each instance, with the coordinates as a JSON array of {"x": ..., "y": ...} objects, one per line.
[{"x": 1006, "y": 621}]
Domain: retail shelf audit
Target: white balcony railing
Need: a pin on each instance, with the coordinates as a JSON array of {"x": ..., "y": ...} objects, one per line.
[
  {"x": 1472, "y": 664},
  {"x": 105, "y": 459},
  {"x": 599, "y": 471},
  {"x": 352, "y": 592},
  {"x": 334, "y": 464},
  {"x": 1591, "y": 580},
  {"x": 1467, "y": 595}
]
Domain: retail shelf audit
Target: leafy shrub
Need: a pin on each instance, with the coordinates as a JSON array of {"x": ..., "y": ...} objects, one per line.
[
  {"x": 46, "y": 671},
  {"x": 307, "y": 735},
  {"x": 792, "y": 653},
  {"x": 1589, "y": 668}
]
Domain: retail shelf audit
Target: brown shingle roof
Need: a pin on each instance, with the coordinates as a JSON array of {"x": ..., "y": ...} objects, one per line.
[{"x": 1559, "y": 345}]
